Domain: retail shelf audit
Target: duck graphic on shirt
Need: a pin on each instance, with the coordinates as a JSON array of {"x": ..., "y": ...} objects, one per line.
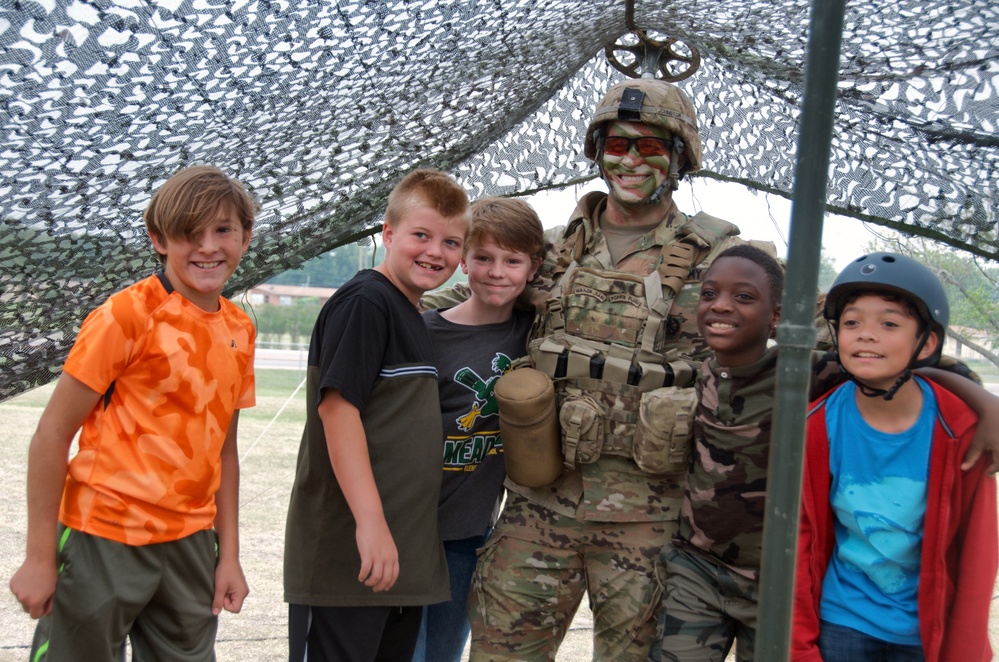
[{"x": 484, "y": 404}]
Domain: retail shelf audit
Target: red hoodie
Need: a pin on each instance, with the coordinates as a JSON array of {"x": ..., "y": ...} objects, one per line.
[{"x": 960, "y": 548}]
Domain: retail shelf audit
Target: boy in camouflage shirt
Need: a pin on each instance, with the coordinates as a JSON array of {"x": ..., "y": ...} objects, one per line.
[{"x": 713, "y": 563}]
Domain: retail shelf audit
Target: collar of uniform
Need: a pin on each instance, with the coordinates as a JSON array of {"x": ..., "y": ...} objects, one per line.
[
  {"x": 746, "y": 371},
  {"x": 591, "y": 206}
]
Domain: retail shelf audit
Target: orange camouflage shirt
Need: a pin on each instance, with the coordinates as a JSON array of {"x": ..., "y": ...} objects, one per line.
[{"x": 172, "y": 375}]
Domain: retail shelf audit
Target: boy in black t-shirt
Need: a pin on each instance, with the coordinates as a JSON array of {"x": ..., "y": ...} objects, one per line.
[{"x": 362, "y": 548}]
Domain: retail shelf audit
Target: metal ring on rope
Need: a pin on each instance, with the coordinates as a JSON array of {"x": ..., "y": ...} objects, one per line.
[{"x": 669, "y": 59}]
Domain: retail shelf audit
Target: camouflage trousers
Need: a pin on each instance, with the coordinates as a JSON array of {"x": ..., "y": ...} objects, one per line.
[
  {"x": 705, "y": 607},
  {"x": 533, "y": 572}
]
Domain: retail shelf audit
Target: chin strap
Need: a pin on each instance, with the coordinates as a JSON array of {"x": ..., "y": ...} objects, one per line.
[
  {"x": 672, "y": 182},
  {"x": 880, "y": 392}
]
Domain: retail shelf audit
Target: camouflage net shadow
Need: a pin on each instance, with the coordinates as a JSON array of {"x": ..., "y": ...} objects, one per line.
[{"x": 320, "y": 107}]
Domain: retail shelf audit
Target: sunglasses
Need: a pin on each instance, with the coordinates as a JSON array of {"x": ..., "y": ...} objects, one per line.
[{"x": 646, "y": 145}]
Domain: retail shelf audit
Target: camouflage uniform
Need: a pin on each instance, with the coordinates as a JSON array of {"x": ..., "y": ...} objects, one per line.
[
  {"x": 712, "y": 565},
  {"x": 601, "y": 526}
]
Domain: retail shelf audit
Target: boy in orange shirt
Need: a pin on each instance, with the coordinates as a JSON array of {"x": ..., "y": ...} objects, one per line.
[{"x": 146, "y": 533}]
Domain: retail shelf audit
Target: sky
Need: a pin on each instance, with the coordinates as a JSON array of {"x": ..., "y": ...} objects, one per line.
[{"x": 758, "y": 215}]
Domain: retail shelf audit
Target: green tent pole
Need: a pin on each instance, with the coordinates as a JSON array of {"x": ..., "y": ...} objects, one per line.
[{"x": 796, "y": 333}]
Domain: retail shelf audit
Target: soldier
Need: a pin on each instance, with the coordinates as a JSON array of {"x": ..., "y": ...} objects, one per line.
[{"x": 617, "y": 294}]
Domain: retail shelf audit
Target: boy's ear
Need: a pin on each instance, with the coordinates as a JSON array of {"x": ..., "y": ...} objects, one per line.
[
  {"x": 464, "y": 265},
  {"x": 387, "y": 233},
  {"x": 930, "y": 346},
  {"x": 159, "y": 244},
  {"x": 774, "y": 320},
  {"x": 247, "y": 234},
  {"x": 535, "y": 268}
]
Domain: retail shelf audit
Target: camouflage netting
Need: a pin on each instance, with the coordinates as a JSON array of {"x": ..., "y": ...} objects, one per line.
[{"x": 320, "y": 107}]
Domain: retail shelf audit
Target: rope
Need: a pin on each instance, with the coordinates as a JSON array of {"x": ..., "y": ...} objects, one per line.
[{"x": 271, "y": 422}]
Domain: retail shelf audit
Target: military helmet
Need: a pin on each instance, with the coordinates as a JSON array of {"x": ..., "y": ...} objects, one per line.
[
  {"x": 899, "y": 275},
  {"x": 650, "y": 101}
]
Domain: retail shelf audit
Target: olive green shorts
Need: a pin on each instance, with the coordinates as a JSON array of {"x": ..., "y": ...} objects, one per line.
[{"x": 157, "y": 596}]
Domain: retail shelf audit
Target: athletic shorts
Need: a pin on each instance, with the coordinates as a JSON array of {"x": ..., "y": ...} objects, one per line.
[{"x": 157, "y": 596}]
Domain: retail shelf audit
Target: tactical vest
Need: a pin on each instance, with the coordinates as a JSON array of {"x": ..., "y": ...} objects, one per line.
[{"x": 602, "y": 340}]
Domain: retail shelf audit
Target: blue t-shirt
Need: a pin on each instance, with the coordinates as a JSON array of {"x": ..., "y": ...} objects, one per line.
[{"x": 878, "y": 497}]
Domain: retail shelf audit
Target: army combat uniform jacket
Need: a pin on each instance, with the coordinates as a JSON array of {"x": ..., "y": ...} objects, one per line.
[{"x": 612, "y": 487}]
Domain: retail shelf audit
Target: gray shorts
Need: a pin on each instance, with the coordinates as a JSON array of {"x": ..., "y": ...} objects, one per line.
[{"x": 158, "y": 596}]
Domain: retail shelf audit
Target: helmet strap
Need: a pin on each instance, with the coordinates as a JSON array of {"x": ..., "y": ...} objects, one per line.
[
  {"x": 672, "y": 182},
  {"x": 880, "y": 392},
  {"x": 668, "y": 185}
]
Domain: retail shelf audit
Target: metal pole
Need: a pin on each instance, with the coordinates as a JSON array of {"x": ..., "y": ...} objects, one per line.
[{"x": 796, "y": 333}]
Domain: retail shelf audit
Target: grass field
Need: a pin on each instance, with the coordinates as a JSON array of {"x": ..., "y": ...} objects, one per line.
[
  {"x": 268, "y": 442},
  {"x": 268, "y": 449}
]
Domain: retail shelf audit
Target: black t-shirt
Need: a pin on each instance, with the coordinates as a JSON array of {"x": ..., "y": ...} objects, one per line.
[
  {"x": 470, "y": 359},
  {"x": 370, "y": 344}
]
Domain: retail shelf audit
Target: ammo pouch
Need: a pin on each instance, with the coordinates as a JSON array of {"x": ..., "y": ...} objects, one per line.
[
  {"x": 603, "y": 348},
  {"x": 665, "y": 430},
  {"x": 581, "y": 418},
  {"x": 653, "y": 428}
]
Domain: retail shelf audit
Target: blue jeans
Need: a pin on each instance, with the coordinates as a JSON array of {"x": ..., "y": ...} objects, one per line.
[
  {"x": 445, "y": 625},
  {"x": 843, "y": 644}
]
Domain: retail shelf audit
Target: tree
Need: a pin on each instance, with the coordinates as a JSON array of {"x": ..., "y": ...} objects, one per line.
[
  {"x": 331, "y": 269},
  {"x": 827, "y": 271},
  {"x": 280, "y": 324}
]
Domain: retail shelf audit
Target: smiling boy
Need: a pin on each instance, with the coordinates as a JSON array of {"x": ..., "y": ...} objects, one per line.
[
  {"x": 898, "y": 546},
  {"x": 712, "y": 564},
  {"x": 476, "y": 343},
  {"x": 147, "y": 531},
  {"x": 362, "y": 548}
]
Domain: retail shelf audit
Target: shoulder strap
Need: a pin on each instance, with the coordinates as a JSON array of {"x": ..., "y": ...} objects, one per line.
[
  {"x": 571, "y": 245},
  {"x": 695, "y": 240}
]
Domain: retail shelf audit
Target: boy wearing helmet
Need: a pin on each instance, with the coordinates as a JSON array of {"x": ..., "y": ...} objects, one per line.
[
  {"x": 898, "y": 547},
  {"x": 616, "y": 297}
]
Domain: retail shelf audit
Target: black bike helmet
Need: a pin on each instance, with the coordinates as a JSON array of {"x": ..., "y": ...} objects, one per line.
[{"x": 902, "y": 276}]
